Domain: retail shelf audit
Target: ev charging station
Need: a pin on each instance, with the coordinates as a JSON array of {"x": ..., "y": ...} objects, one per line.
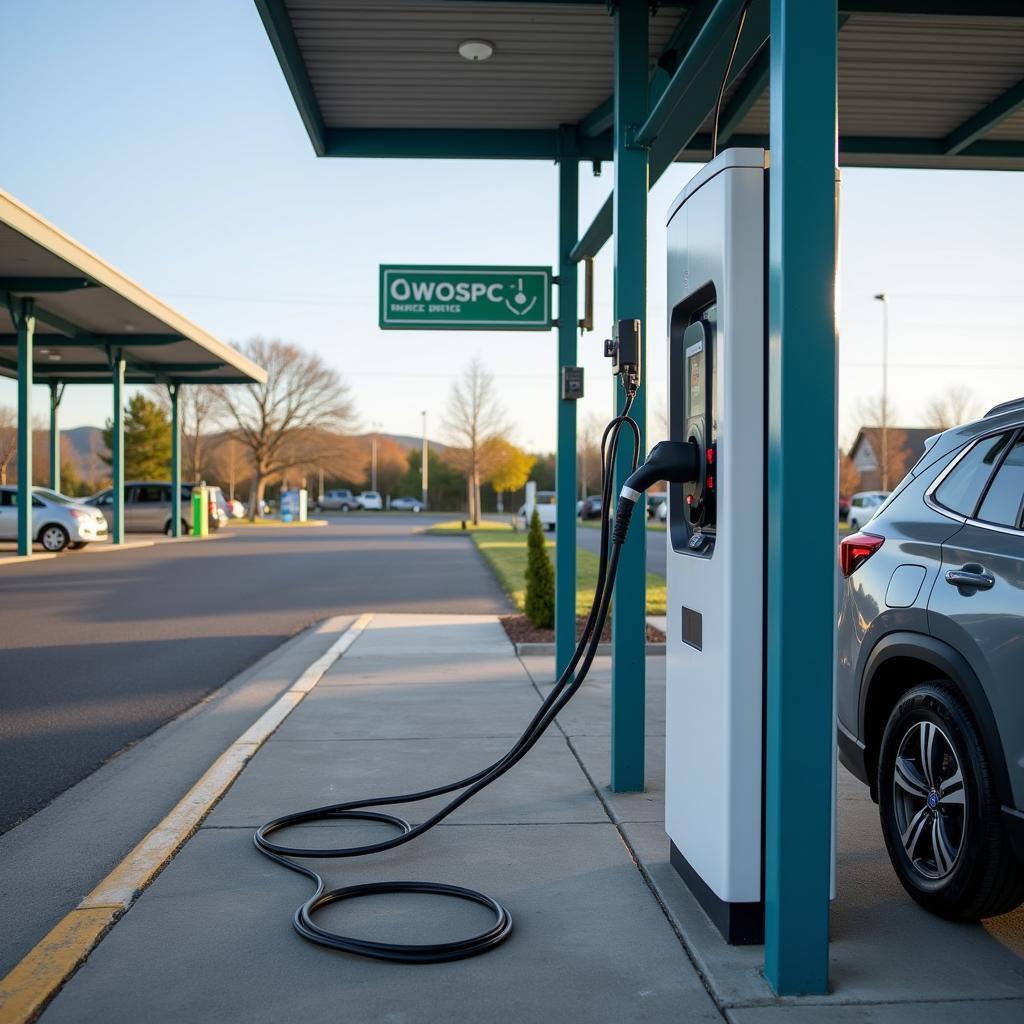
[
  {"x": 715, "y": 567},
  {"x": 717, "y": 564}
]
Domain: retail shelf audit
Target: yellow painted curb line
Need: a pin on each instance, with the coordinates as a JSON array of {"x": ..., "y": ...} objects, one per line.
[{"x": 43, "y": 971}]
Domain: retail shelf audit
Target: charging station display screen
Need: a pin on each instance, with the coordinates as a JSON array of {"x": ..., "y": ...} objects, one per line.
[{"x": 695, "y": 364}]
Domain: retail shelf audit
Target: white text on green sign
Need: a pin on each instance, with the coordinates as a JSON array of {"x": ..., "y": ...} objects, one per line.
[{"x": 465, "y": 298}]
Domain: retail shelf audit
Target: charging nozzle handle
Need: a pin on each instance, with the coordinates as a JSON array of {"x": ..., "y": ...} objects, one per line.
[{"x": 675, "y": 462}]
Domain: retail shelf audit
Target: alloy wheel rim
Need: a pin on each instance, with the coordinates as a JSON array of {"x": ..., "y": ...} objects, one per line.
[
  {"x": 53, "y": 539},
  {"x": 930, "y": 800}
]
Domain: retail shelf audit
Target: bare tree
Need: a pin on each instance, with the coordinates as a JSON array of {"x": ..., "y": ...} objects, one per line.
[
  {"x": 889, "y": 442},
  {"x": 954, "y": 406},
  {"x": 474, "y": 418},
  {"x": 8, "y": 439},
  {"x": 588, "y": 454},
  {"x": 301, "y": 393},
  {"x": 197, "y": 404},
  {"x": 230, "y": 462}
]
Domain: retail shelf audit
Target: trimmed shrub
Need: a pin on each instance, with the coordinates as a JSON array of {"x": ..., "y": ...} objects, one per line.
[{"x": 540, "y": 578}]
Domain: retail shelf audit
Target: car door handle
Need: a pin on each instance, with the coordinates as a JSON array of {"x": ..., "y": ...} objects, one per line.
[{"x": 972, "y": 576}]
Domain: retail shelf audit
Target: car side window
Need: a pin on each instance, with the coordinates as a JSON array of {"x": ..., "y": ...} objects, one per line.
[
  {"x": 36, "y": 503},
  {"x": 8, "y": 499},
  {"x": 149, "y": 494},
  {"x": 1002, "y": 503},
  {"x": 962, "y": 489}
]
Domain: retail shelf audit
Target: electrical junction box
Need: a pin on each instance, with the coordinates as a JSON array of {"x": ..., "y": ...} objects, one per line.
[
  {"x": 572, "y": 382},
  {"x": 717, "y": 556}
]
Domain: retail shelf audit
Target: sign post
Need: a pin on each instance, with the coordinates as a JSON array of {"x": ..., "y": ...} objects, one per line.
[{"x": 461, "y": 298}]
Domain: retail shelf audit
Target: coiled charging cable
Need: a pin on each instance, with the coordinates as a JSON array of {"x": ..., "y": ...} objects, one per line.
[{"x": 564, "y": 689}]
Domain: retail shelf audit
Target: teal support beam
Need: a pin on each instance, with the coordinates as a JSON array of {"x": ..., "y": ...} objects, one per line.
[
  {"x": 724, "y": 15},
  {"x": 629, "y": 608},
  {"x": 800, "y": 725},
  {"x": 565, "y": 462},
  {"x": 56, "y": 394},
  {"x": 985, "y": 120},
  {"x": 117, "y": 365},
  {"x": 173, "y": 391},
  {"x": 23, "y": 312}
]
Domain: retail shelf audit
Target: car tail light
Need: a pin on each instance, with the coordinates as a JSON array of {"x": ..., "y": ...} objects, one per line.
[{"x": 856, "y": 550}]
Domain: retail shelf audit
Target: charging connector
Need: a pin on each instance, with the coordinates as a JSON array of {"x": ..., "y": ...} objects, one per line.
[{"x": 675, "y": 462}]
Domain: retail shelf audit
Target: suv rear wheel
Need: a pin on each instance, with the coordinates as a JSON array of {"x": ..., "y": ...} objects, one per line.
[{"x": 941, "y": 817}]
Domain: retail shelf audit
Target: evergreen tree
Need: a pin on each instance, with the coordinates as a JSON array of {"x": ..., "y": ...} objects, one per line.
[
  {"x": 147, "y": 440},
  {"x": 540, "y": 578}
]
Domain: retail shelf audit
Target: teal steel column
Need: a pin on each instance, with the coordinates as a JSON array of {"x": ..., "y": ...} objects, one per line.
[
  {"x": 24, "y": 310},
  {"x": 117, "y": 449},
  {"x": 565, "y": 463},
  {"x": 801, "y": 488},
  {"x": 629, "y": 610},
  {"x": 173, "y": 390},
  {"x": 56, "y": 393}
]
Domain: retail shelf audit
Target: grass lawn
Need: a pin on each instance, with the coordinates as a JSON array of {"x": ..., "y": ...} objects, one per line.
[
  {"x": 595, "y": 524},
  {"x": 486, "y": 526},
  {"x": 506, "y": 555}
]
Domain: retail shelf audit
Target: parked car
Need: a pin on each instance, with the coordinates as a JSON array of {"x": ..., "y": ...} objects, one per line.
[
  {"x": 863, "y": 506},
  {"x": 844, "y": 509},
  {"x": 236, "y": 508},
  {"x": 371, "y": 501},
  {"x": 654, "y": 502},
  {"x": 662, "y": 512},
  {"x": 58, "y": 522},
  {"x": 545, "y": 509},
  {"x": 219, "y": 508},
  {"x": 338, "y": 501},
  {"x": 407, "y": 505},
  {"x": 930, "y": 665},
  {"x": 590, "y": 507},
  {"x": 147, "y": 507}
]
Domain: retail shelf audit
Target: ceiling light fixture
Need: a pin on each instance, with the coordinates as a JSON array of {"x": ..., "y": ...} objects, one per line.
[{"x": 475, "y": 50}]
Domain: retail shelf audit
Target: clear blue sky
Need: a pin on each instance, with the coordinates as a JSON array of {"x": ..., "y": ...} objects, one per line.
[{"x": 162, "y": 136}]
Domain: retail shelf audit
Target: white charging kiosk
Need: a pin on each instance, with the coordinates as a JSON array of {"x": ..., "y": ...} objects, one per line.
[{"x": 714, "y": 743}]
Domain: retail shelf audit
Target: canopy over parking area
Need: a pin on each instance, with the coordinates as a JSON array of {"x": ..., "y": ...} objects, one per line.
[
  {"x": 67, "y": 317},
  {"x": 910, "y": 83}
]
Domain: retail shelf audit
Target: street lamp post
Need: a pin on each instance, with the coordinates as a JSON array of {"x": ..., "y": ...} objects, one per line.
[
  {"x": 423, "y": 459},
  {"x": 373, "y": 457},
  {"x": 881, "y": 297}
]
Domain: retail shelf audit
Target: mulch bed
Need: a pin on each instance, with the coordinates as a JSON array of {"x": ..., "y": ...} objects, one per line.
[{"x": 520, "y": 631}]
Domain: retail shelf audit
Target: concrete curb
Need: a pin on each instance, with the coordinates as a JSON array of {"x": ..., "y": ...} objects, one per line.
[
  {"x": 106, "y": 548},
  {"x": 603, "y": 650},
  {"x": 37, "y": 978}
]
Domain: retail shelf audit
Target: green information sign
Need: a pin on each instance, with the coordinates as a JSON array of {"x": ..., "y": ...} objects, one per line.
[{"x": 465, "y": 298}]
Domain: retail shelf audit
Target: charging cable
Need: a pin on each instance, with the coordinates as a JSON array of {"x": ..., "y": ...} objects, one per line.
[{"x": 565, "y": 688}]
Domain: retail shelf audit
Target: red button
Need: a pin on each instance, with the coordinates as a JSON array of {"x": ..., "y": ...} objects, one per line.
[
  {"x": 711, "y": 483},
  {"x": 689, "y": 499},
  {"x": 711, "y": 455}
]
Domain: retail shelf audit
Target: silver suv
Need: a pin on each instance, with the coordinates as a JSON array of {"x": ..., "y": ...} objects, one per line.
[{"x": 931, "y": 668}]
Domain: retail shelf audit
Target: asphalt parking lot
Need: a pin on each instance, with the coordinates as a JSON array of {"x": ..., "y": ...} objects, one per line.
[{"x": 102, "y": 649}]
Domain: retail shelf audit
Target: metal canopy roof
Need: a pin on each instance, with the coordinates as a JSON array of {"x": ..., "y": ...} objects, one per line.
[
  {"x": 922, "y": 83},
  {"x": 85, "y": 309}
]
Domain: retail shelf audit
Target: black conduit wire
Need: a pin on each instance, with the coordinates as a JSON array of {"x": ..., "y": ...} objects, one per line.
[
  {"x": 564, "y": 689},
  {"x": 725, "y": 78}
]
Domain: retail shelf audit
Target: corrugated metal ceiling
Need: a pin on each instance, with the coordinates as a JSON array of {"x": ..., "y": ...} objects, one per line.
[{"x": 395, "y": 64}]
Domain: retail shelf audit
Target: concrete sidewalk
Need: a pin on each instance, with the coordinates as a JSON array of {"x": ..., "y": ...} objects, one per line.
[{"x": 604, "y": 930}]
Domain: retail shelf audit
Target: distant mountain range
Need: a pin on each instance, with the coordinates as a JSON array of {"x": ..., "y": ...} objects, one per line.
[{"x": 84, "y": 447}]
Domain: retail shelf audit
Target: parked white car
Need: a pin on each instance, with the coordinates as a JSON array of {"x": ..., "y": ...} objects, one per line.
[
  {"x": 58, "y": 522},
  {"x": 236, "y": 508},
  {"x": 545, "y": 509},
  {"x": 863, "y": 505},
  {"x": 371, "y": 501}
]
